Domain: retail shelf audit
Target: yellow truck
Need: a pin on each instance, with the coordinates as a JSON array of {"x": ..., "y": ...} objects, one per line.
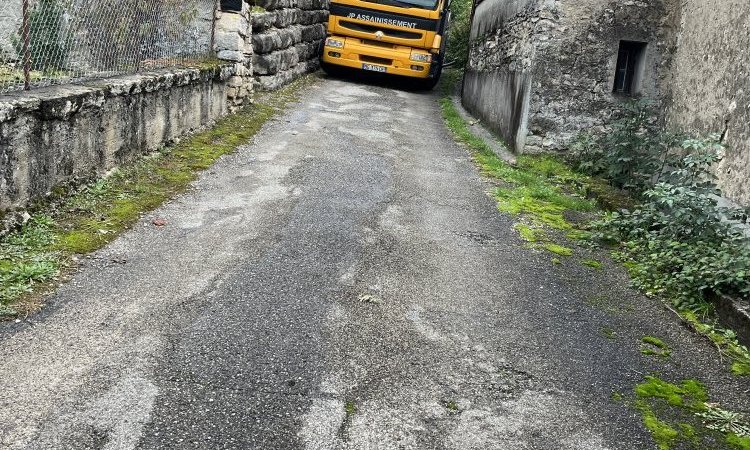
[{"x": 398, "y": 37}]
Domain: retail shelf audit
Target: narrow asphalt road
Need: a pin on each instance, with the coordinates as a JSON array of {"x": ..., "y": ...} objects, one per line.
[{"x": 343, "y": 281}]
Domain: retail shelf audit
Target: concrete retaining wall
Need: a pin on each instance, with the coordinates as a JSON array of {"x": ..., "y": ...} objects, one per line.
[{"x": 63, "y": 134}]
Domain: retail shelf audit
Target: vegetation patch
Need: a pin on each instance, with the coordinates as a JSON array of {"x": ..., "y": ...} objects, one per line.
[
  {"x": 540, "y": 190},
  {"x": 679, "y": 415},
  {"x": 350, "y": 408},
  {"x": 677, "y": 242},
  {"x": 452, "y": 406},
  {"x": 530, "y": 234},
  {"x": 653, "y": 346},
  {"x": 85, "y": 221},
  {"x": 608, "y": 333},
  {"x": 557, "y": 249},
  {"x": 594, "y": 264}
]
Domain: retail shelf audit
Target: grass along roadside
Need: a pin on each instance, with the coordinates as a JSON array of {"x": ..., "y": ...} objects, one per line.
[
  {"x": 39, "y": 254},
  {"x": 553, "y": 205}
]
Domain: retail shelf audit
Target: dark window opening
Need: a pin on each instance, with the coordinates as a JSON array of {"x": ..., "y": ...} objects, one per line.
[
  {"x": 629, "y": 67},
  {"x": 231, "y": 5}
]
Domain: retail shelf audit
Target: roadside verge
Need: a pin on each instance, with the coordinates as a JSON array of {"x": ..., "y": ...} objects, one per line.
[{"x": 44, "y": 251}]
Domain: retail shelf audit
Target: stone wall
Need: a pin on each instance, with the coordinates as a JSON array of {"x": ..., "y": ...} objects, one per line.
[
  {"x": 62, "y": 134},
  {"x": 711, "y": 92},
  {"x": 287, "y": 38},
  {"x": 10, "y": 23},
  {"x": 233, "y": 44},
  {"x": 542, "y": 70}
]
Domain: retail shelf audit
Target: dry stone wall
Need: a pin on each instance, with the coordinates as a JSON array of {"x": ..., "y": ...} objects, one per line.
[
  {"x": 287, "y": 38},
  {"x": 233, "y": 44}
]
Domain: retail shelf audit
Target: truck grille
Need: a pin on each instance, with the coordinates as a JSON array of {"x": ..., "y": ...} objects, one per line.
[
  {"x": 372, "y": 29},
  {"x": 376, "y": 60}
]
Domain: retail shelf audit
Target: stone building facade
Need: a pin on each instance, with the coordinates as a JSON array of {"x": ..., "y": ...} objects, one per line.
[{"x": 542, "y": 71}]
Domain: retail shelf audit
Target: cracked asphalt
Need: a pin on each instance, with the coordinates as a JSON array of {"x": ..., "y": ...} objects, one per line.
[{"x": 343, "y": 281}]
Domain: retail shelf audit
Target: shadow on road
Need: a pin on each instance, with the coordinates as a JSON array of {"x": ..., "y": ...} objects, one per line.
[{"x": 377, "y": 79}]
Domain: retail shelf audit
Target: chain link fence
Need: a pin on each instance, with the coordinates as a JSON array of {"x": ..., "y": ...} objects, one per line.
[{"x": 45, "y": 42}]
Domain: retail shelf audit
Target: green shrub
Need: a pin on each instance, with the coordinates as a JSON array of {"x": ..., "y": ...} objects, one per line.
[
  {"x": 458, "y": 34},
  {"x": 679, "y": 242}
]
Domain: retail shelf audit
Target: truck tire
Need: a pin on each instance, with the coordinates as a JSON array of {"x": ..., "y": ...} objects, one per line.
[{"x": 428, "y": 84}]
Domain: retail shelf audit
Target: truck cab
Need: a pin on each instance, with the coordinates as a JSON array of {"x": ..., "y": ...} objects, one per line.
[{"x": 398, "y": 37}]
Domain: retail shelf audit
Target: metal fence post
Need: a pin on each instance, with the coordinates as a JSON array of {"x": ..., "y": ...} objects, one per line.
[
  {"x": 212, "y": 50},
  {"x": 26, "y": 52}
]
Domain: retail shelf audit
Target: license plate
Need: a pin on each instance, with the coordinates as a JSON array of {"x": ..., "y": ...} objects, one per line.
[{"x": 374, "y": 68}]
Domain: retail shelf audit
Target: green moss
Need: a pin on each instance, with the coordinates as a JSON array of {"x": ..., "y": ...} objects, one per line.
[
  {"x": 594, "y": 264},
  {"x": 578, "y": 235},
  {"x": 691, "y": 394},
  {"x": 609, "y": 333},
  {"x": 738, "y": 442},
  {"x": 557, "y": 249},
  {"x": 81, "y": 241},
  {"x": 350, "y": 408},
  {"x": 530, "y": 234},
  {"x": 616, "y": 396},
  {"x": 541, "y": 188},
  {"x": 664, "y": 435},
  {"x": 688, "y": 433},
  {"x": 725, "y": 340},
  {"x": 452, "y": 406},
  {"x": 741, "y": 368},
  {"x": 655, "y": 341},
  {"x": 674, "y": 402},
  {"x": 556, "y": 261},
  {"x": 655, "y": 347}
]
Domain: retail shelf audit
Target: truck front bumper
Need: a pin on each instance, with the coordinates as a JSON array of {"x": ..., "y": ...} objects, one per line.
[{"x": 378, "y": 57}]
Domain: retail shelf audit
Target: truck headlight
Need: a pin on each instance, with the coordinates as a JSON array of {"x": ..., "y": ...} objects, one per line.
[
  {"x": 421, "y": 57},
  {"x": 335, "y": 43}
]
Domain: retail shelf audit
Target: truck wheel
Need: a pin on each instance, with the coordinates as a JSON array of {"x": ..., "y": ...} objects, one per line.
[{"x": 428, "y": 84}]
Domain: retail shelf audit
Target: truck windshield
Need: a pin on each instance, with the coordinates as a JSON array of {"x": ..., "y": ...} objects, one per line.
[{"x": 421, "y": 4}]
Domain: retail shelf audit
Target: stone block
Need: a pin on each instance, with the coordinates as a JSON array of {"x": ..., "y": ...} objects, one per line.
[
  {"x": 308, "y": 50},
  {"x": 278, "y": 61},
  {"x": 286, "y": 17},
  {"x": 313, "y": 32},
  {"x": 233, "y": 23},
  {"x": 276, "y": 39},
  {"x": 313, "y": 17},
  {"x": 262, "y": 21},
  {"x": 271, "y": 5},
  {"x": 231, "y": 41},
  {"x": 231, "y": 55}
]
